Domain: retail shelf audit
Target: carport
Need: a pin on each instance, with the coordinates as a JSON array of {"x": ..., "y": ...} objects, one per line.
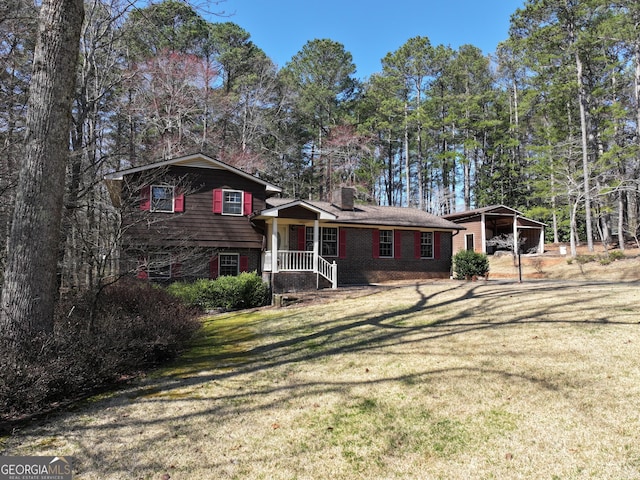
[{"x": 483, "y": 224}]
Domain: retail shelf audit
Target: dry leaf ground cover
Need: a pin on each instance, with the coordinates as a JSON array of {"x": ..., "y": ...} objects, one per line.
[{"x": 446, "y": 379}]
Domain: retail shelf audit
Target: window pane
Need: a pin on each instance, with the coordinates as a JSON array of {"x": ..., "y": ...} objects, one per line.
[
  {"x": 229, "y": 265},
  {"x": 329, "y": 245},
  {"x": 469, "y": 241},
  {"x": 386, "y": 243},
  {"x": 232, "y": 203},
  {"x": 426, "y": 245},
  {"x": 308, "y": 241},
  {"x": 161, "y": 199}
]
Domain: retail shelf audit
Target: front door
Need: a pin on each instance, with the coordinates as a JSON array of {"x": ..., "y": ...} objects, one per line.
[{"x": 283, "y": 237}]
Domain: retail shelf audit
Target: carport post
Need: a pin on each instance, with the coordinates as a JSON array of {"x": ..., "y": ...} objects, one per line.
[{"x": 516, "y": 246}]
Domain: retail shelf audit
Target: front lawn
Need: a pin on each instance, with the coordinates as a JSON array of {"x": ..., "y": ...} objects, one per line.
[{"x": 439, "y": 380}]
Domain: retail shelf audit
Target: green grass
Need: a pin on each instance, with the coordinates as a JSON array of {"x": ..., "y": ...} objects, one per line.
[{"x": 445, "y": 380}]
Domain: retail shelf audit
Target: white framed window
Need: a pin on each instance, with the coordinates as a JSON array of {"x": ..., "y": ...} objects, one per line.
[
  {"x": 229, "y": 264},
  {"x": 426, "y": 244},
  {"x": 386, "y": 243},
  {"x": 328, "y": 241},
  {"x": 469, "y": 241},
  {"x": 232, "y": 202},
  {"x": 162, "y": 198},
  {"x": 308, "y": 239}
]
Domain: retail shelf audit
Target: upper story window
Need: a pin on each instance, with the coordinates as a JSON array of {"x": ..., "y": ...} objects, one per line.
[
  {"x": 426, "y": 244},
  {"x": 231, "y": 202},
  {"x": 386, "y": 243},
  {"x": 162, "y": 198}
]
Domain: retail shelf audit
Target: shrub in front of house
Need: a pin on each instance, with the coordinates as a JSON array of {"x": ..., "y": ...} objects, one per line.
[
  {"x": 134, "y": 326},
  {"x": 468, "y": 264},
  {"x": 246, "y": 290}
]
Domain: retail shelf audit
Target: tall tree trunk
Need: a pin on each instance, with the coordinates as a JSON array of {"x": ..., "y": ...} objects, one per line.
[
  {"x": 621, "y": 220},
  {"x": 585, "y": 153},
  {"x": 407, "y": 169},
  {"x": 29, "y": 289}
]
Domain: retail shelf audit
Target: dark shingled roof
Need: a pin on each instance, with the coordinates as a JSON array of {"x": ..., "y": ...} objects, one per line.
[
  {"x": 491, "y": 209},
  {"x": 376, "y": 215}
]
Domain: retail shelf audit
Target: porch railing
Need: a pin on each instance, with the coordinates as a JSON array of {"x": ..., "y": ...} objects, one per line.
[
  {"x": 295, "y": 261},
  {"x": 328, "y": 271},
  {"x": 302, "y": 261}
]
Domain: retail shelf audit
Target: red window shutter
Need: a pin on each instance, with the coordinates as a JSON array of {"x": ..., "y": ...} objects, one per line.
[
  {"x": 214, "y": 267},
  {"x": 397, "y": 244},
  {"x": 142, "y": 269},
  {"x": 436, "y": 245},
  {"x": 417, "y": 241},
  {"x": 376, "y": 243},
  {"x": 176, "y": 270},
  {"x": 217, "y": 201},
  {"x": 145, "y": 198},
  {"x": 302, "y": 238},
  {"x": 244, "y": 263},
  {"x": 342, "y": 247},
  {"x": 247, "y": 203},
  {"x": 178, "y": 201}
]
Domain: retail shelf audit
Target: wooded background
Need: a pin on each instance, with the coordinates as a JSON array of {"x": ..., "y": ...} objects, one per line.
[{"x": 549, "y": 124}]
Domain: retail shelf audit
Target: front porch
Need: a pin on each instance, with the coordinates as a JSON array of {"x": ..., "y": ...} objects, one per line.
[
  {"x": 300, "y": 261},
  {"x": 294, "y": 245}
]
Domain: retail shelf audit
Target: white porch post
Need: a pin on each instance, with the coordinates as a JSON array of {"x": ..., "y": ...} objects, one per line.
[
  {"x": 515, "y": 235},
  {"x": 274, "y": 245},
  {"x": 541, "y": 242},
  {"x": 483, "y": 233},
  {"x": 316, "y": 244}
]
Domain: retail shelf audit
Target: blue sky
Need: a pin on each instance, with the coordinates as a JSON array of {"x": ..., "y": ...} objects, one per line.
[{"x": 369, "y": 29}]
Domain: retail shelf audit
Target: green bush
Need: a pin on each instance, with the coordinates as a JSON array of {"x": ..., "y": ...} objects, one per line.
[
  {"x": 191, "y": 293},
  {"x": 616, "y": 255},
  {"x": 605, "y": 260},
  {"x": 467, "y": 264},
  {"x": 582, "y": 259},
  {"x": 246, "y": 290}
]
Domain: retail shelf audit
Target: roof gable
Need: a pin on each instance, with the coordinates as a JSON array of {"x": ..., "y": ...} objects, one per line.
[
  {"x": 274, "y": 210},
  {"x": 197, "y": 160},
  {"x": 498, "y": 210}
]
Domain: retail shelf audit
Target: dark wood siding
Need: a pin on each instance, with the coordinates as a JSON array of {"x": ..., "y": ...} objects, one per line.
[
  {"x": 198, "y": 225},
  {"x": 297, "y": 212}
]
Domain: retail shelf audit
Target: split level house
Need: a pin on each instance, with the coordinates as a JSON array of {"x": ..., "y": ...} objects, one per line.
[{"x": 195, "y": 217}]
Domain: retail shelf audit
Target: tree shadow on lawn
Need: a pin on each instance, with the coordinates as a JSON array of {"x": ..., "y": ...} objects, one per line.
[
  {"x": 463, "y": 308},
  {"x": 364, "y": 332}
]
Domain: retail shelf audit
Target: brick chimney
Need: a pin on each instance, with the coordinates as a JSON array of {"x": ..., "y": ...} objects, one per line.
[{"x": 343, "y": 198}]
